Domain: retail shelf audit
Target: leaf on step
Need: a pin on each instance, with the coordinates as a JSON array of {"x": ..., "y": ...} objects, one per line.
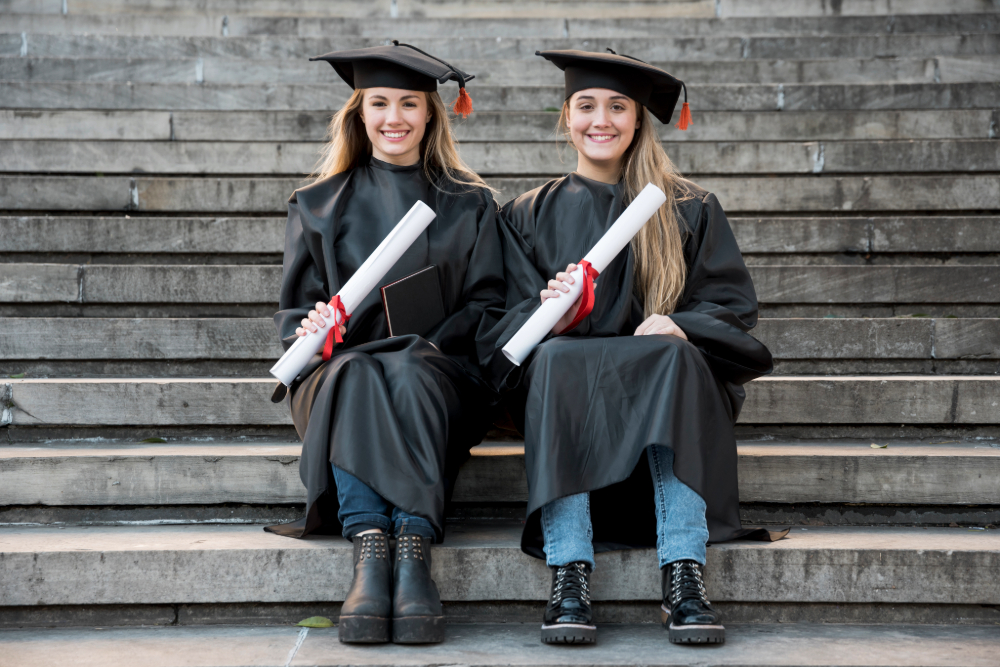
[
  {"x": 153, "y": 440},
  {"x": 316, "y": 622},
  {"x": 875, "y": 446},
  {"x": 16, "y": 377}
]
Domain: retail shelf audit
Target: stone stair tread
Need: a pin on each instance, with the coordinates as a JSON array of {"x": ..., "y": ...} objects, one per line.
[
  {"x": 179, "y": 472},
  {"x": 152, "y": 402},
  {"x": 482, "y": 645},
  {"x": 940, "y": 194},
  {"x": 483, "y": 561},
  {"x": 223, "y": 236},
  {"x": 507, "y": 158},
  {"x": 310, "y": 97},
  {"x": 815, "y": 125}
]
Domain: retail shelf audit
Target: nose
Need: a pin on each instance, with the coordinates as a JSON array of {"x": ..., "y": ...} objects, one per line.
[
  {"x": 601, "y": 119},
  {"x": 393, "y": 116}
]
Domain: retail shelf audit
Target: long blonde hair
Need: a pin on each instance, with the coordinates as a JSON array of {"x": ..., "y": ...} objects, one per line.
[
  {"x": 347, "y": 142},
  {"x": 658, "y": 248}
]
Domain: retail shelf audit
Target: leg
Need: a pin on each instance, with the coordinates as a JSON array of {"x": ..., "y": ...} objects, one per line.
[
  {"x": 361, "y": 508},
  {"x": 417, "y": 615},
  {"x": 569, "y": 552},
  {"x": 681, "y": 534}
]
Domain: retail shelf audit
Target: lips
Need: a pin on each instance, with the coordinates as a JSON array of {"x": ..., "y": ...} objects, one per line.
[
  {"x": 395, "y": 135},
  {"x": 601, "y": 138}
]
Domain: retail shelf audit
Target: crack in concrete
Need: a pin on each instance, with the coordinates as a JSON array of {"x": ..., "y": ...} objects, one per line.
[{"x": 298, "y": 645}]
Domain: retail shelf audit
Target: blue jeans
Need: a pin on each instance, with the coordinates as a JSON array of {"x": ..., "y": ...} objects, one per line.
[
  {"x": 362, "y": 509},
  {"x": 681, "y": 527}
]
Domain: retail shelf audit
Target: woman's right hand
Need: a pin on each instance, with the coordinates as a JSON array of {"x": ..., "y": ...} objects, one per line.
[
  {"x": 314, "y": 322},
  {"x": 557, "y": 287}
]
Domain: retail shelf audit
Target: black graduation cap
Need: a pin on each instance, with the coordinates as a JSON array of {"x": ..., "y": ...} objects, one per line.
[
  {"x": 648, "y": 85},
  {"x": 398, "y": 66}
]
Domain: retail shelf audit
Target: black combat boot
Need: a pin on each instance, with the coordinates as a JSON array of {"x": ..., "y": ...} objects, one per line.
[
  {"x": 686, "y": 611},
  {"x": 568, "y": 616},
  {"x": 367, "y": 611},
  {"x": 417, "y": 617}
]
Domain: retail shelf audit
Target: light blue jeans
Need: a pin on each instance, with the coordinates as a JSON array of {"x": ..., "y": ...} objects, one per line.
[
  {"x": 681, "y": 527},
  {"x": 361, "y": 508}
]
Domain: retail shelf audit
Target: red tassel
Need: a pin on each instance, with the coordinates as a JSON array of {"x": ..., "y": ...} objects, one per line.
[
  {"x": 685, "y": 119},
  {"x": 463, "y": 105}
]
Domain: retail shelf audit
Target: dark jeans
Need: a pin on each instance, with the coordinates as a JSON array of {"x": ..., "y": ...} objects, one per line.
[{"x": 361, "y": 509}]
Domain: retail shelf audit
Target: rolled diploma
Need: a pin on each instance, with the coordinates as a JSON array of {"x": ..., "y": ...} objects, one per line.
[
  {"x": 356, "y": 289},
  {"x": 617, "y": 237}
]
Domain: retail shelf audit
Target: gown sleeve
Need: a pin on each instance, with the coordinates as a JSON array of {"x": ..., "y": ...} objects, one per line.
[
  {"x": 302, "y": 280},
  {"x": 719, "y": 304}
]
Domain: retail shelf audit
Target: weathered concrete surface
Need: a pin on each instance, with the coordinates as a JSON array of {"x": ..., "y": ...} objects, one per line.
[
  {"x": 929, "y": 399},
  {"x": 209, "y": 24},
  {"x": 496, "y": 126},
  {"x": 659, "y": 48},
  {"x": 744, "y": 157},
  {"x": 229, "y": 195},
  {"x": 502, "y": 72},
  {"x": 204, "y": 474},
  {"x": 307, "y": 97},
  {"x": 504, "y": 644},
  {"x": 876, "y": 284},
  {"x": 227, "y": 235},
  {"x": 154, "y": 565},
  {"x": 154, "y": 283},
  {"x": 254, "y": 338},
  {"x": 74, "y": 234}
]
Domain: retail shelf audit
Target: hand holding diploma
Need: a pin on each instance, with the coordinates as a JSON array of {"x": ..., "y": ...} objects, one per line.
[
  {"x": 552, "y": 310},
  {"x": 351, "y": 295}
]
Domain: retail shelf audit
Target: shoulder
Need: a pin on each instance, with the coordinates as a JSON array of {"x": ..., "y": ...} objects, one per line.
[
  {"x": 524, "y": 207},
  {"x": 321, "y": 190},
  {"x": 695, "y": 204},
  {"x": 465, "y": 193}
]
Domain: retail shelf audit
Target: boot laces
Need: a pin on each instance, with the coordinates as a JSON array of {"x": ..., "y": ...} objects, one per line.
[
  {"x": 687, "y": 582},
  {"x": 571, "y": 582}
]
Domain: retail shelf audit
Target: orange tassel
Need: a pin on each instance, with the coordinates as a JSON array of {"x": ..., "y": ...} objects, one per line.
[
  {"x": 463, "y": 105},
  {"x": 685, "y": 119}
]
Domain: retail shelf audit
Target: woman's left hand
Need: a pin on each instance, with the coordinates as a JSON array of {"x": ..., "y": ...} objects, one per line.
[{"x": 660, "y": 324}]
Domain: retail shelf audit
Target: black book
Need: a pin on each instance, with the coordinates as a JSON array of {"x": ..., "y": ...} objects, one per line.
[{"x": 413, "y": 304}]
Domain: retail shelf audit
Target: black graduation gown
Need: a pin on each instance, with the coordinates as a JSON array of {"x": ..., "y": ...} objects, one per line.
[
  {"x": 398, "y": 413},
  {"x": 591, "y": 400}
]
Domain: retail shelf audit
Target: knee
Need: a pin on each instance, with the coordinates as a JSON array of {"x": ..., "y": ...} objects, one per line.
[
  {"x": 353, "y": 363},
  {"x": 407, "y": 368}
]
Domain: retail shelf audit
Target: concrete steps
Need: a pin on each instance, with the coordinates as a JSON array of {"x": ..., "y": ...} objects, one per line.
[
  {"x": 502, "y": 644},
  {"x": 483, "y": 562},
  {"x": 293, "y": 126},
  {"x": 941, "y": 69},
  {"x": 197, "y": 473},
  {"x": 935, "y": 194},
  {"x": 488, "y": 159},
  {"x": 238, "y": 22}
]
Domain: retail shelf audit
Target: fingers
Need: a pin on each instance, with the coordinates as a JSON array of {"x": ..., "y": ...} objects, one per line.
[
  {"x": 557, "y": 284},
  {"x": 300, "y": 332},
  {"x": 343, "y": 330},
  {"x": 570, "y": 268},
  {"x": 548, "y": 294},
  {"x": 321, "y": 308},
  {"x": 308, "y": 325},
  {"x": 641, "y": 329},
  {"x": 317, "y": 318}
]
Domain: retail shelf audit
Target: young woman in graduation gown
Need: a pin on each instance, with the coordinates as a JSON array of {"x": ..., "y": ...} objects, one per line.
[
  {"x": 386, "y": 421},
  {"x": 628, "y": 413}
]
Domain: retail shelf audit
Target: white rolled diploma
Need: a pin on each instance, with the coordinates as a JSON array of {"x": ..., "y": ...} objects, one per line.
[
  {"x": 356, "y": 289},
  {"x": 617, "y": 237}
]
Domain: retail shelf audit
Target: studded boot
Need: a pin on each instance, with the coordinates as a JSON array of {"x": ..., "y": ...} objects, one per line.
[
  {"x": 366, "y": 613},
  {"x": 685, "y": 610},
  {"x": 417, "y": 617},
  {"x": 569, "y": 618}
]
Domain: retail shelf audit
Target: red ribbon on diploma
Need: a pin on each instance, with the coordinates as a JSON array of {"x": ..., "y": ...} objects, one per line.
[
  {"x": 587, "y": 298},
  {"x": 334, "y": 333}
]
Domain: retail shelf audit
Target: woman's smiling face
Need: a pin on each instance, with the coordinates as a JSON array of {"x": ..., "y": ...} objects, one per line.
[
  {"x": 602, "y": 124},
  {"x": 395, "y": 121}
]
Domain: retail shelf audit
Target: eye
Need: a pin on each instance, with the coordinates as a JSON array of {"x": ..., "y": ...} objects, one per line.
[
  {"x": 378, "y": 103},
  {"x": 618, "y": 107}
]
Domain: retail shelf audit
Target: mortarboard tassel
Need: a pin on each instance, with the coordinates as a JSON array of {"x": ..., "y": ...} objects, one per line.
[
  {"x": 463, "y": 105},
  {"x": 685, "y": 119}
]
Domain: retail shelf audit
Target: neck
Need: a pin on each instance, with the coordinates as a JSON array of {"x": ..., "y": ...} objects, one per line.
[
  {"x": 609, "y": 172},
  {"x": 407, "y": 159}
]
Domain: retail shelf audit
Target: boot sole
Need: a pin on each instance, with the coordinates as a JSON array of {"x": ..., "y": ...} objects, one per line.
[
  {"x": 569, "y": 633},
  {"x": 418, "y": 630},
  {"x": 696, "y": 634},
  {"x": 363, "y": 630}
]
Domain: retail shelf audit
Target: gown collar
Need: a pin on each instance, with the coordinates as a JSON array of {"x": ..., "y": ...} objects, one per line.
[{"x": 379, "y": 164}]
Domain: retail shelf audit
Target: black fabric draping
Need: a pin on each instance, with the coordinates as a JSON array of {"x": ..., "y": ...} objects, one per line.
[
  {"x": 398, "y": 413},
  {"x": 591, "y": 400}
]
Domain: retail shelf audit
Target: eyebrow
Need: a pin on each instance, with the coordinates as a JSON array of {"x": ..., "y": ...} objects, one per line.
[
  {"x": 383, "y": 97},
  {"x": 613, "y": 97}
]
